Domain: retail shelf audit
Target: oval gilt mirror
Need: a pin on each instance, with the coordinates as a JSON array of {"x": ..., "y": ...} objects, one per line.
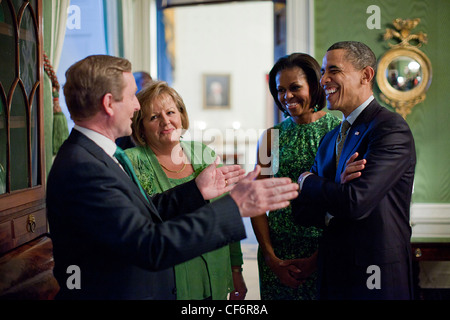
[{"x": 404, "y": 72}]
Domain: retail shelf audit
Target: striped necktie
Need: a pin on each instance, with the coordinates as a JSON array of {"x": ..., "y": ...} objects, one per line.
[
  {"x": 341, "y": 139},
  {"x": 128, "y": 168}
]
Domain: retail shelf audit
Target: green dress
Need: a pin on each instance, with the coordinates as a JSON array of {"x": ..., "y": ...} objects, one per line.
[
  {"x": 206, "y": 276},
  {"x": 297, "y": 146}
]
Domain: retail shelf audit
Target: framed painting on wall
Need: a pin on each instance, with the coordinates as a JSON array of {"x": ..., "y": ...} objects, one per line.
[{"x": 216, "y": 91}]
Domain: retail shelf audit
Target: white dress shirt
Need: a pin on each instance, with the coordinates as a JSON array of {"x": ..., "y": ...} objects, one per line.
[{"x": 102, "y": 141}]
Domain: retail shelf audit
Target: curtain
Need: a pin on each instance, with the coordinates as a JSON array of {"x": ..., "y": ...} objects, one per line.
[
  {"x": 113, "y": 31},
  {"x": 144, "y": 32},
  {"x": 58, "y": 29},
  {"x": 127, "y": 29},
  {"x": 54, "y": 20}
]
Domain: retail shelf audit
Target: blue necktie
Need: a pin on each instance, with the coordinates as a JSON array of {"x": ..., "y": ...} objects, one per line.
[{"x": 128, "y": 167}]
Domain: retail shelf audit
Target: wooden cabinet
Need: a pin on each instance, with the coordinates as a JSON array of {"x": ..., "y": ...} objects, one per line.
[
  {"x": 431, "y": 250},
  {"x": 22, "y": 175},
  {"x": 435, "y": 250}
]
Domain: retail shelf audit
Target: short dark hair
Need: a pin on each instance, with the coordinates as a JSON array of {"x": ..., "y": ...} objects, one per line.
[
  {"x": 310, "y": 67},
  {"x": 359, "y": 54}
]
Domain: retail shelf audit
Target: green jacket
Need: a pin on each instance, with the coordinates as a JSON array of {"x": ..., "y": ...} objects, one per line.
[{"x": 208, "y": 275}]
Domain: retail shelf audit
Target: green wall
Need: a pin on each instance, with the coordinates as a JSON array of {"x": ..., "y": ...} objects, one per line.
[{"x": 339, "y": 20}]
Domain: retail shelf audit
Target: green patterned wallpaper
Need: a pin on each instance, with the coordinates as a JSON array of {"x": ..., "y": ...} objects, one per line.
[{"x": 339, "y": 20}]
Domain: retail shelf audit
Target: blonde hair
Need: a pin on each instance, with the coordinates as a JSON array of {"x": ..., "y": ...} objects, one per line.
[
  {"x": 147, "y": 96},
  {"x": 88, "y": 80}
]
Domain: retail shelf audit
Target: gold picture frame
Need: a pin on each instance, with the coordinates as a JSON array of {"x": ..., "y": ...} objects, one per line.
[{"x": 216, "y": 91}]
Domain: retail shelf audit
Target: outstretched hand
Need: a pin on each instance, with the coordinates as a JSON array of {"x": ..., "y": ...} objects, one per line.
[
  {"x": 215, "y": 181},
  {"x": 255, "y": 197}
]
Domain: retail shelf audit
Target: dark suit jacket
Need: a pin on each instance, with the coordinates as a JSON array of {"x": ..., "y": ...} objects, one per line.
[
  {"x": 125, "y": 246},
  {"x": 371, "y": 214}
]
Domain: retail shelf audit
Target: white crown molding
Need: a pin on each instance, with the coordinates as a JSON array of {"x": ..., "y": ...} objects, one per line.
[{"x": 430, "y": 220}]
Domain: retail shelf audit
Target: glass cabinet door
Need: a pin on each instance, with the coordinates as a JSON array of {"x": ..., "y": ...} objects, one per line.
[
  {"x": 20, "y": 97},
  {"x": 22, "y": 179}
]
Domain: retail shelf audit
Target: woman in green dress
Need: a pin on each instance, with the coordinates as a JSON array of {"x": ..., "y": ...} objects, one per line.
[
  {"x": 162, "y": 161},
  {"x": 286, "y": 150}
]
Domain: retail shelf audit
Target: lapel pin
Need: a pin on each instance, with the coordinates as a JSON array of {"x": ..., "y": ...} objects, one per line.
[{"x": 357, "y": 133}]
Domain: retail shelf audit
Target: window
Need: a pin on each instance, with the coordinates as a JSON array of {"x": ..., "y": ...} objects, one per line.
[{"x": 85, "y": 35}]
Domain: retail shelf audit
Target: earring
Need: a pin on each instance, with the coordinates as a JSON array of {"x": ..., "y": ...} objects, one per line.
[{"x": 316, "y": 108}]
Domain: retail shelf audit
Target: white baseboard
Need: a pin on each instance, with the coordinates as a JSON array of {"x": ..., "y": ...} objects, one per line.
[{"x": 430, "y": 220}]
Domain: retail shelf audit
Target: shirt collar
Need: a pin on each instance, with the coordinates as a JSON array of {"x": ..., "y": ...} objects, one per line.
[
  {"x": 103, "y": 142},
  {"x": 355, "y": 113}
]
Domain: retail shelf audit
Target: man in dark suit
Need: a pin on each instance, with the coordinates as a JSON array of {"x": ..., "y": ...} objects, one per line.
[
  {"x": 110, "y": 240},
  {"x": 365, "y": 252}
]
